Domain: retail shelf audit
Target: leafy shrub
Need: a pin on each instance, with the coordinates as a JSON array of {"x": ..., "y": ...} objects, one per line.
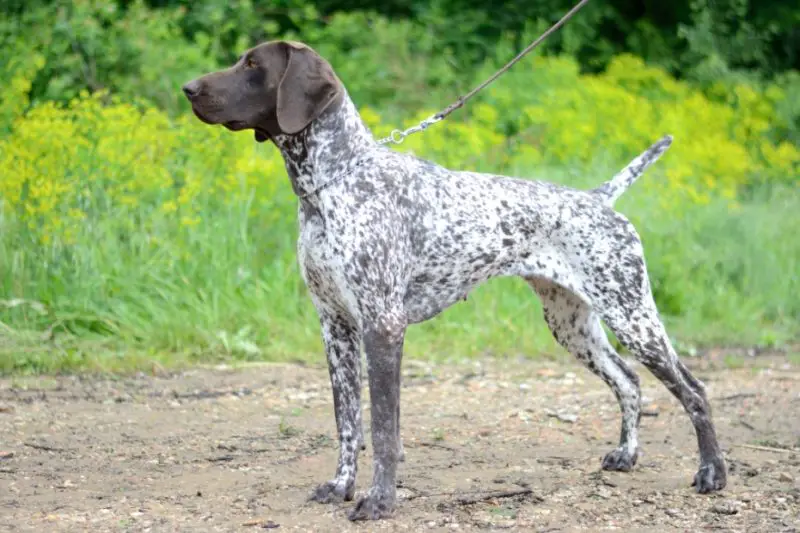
[
  {"x": 124, "y": 221},
  {"x": 96, "y": 45}
]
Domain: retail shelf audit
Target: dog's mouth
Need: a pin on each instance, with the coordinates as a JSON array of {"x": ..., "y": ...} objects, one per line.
[
  {"x": 233, "y": 125},
  {"x": 201, "y": 116},
  {"x": 238, "y": 125}
]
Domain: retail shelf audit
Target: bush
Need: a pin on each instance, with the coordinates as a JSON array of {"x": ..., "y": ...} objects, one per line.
[
  {"x": 147, "y": 49},
  {"x": 96, "y": 45},
  {"x": 121, "y": 222}
]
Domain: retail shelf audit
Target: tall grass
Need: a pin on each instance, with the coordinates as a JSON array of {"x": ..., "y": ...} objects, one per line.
[
  {"x": 721, "y": 275},
  {"x": 128, "y": 237}
]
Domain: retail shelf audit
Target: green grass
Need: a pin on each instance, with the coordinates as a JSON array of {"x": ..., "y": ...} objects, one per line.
[{"x": 229, "y": 290}]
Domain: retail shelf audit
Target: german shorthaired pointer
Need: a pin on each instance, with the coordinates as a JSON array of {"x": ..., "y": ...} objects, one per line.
[{"x": 388, "y": 240}]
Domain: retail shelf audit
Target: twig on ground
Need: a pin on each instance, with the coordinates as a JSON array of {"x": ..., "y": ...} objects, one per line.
[
  {"x": 44, "y": 447},
  {"x": 430, "y": 445},
  {"x": 220, "y": 459},
  {"x": 469, "y": 500},
  {"x": 767, "y": 448},
  {"x": 737, "y": 396},
  {"x": 747, "y": 425}
]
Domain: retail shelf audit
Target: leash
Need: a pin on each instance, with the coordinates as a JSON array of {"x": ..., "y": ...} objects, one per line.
[{"x": 398, "y": 136}]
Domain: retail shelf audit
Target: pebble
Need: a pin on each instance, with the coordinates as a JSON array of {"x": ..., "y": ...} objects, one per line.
[
  {"x": 564, "y": 417},
  {"x": 786, "y": 476},
  {"x": 727, "y": 507},
  {"x": 603, "y": 493}
]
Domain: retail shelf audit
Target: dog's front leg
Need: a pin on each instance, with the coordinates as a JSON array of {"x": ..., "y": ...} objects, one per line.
[
  {"x": 383, "y": 344},
  {"x": 342, "y": 342}
]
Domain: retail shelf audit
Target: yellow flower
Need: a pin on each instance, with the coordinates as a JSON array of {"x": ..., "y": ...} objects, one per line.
[{"x": 98, "y": 159}]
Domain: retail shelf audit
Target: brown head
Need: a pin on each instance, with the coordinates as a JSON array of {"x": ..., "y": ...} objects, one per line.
[{"x": 278, "y": 87}]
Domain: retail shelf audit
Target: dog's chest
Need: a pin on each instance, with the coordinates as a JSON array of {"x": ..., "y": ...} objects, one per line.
[{"x": 321, "y": 254}]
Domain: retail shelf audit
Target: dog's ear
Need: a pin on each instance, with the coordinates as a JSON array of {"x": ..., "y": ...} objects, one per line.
[{"x": 307, "y": 88}]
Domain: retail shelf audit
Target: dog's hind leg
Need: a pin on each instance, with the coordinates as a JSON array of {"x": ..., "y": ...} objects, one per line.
[
  {"x": 639, "y": 329},
  {"x": 577, "y": 328}
]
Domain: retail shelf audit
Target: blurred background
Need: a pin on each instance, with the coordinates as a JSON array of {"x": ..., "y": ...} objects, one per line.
[{"x": 131, "y": 234}]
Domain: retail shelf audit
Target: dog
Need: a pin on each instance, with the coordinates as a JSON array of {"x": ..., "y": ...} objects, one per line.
[{"x": 388, "y": 240}]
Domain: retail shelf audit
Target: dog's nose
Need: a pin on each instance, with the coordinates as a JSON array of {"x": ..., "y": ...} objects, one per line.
[{"x": 191, "y": 89}]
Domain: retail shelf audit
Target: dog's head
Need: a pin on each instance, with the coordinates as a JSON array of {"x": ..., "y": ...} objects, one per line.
[{"x": 278, "y": 87}]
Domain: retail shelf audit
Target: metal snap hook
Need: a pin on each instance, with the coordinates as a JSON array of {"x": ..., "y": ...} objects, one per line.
[{"x": 397, "y": 136}]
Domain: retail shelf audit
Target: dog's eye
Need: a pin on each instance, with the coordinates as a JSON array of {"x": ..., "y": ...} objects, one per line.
[{"x": 250, "y": 63}]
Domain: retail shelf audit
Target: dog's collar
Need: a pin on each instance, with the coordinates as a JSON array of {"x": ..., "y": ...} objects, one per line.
[{"x": 338, "y": 177}]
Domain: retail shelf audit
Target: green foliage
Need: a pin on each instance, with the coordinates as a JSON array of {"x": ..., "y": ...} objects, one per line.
[
  {"x": 723, "y": 44},
  {"x": 94, "y": 45},
  {"x": 149, "y": 49},
  {"x": 128, "y": 233},
  {"x": 385, "y": 63},
  {"x": 131, "y": 233}
]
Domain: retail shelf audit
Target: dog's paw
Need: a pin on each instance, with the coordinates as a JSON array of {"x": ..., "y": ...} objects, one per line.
[
  {"x": 619, "y": 460},
  {"x": 332, "y": 492},
  {"x": 374, "y": 506},
  {"x": 711, "y": 477}
]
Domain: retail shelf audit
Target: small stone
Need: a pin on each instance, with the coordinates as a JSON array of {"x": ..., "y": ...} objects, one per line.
[
  {"x": 673, "y": 512},
  {"x": 564, "y": 417},
  {"x": 786, "y": 476},
  {"x": 727, "y": 507},
  {"x": 604, "y": 493}
]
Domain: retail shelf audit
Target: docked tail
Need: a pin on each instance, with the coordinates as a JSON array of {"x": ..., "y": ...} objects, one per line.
[{"x": 613, "y": 189}]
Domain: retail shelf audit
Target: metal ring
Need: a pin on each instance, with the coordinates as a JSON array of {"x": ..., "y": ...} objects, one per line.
[{"x": 397, "y": 136}]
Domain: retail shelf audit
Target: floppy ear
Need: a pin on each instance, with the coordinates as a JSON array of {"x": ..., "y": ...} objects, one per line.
[{"x": 307, "y": 88}]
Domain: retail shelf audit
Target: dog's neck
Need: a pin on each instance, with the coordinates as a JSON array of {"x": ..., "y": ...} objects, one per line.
[{"x": 327, "y": 148}]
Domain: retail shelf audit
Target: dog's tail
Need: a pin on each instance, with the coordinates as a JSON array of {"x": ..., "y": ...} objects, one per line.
[{"x": 613, "y": 189}]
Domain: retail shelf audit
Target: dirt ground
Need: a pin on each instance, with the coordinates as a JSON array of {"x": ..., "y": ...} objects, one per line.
[{"x": 495, "y": 444}]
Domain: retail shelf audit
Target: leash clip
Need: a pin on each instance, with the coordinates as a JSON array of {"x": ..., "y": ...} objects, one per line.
[{"x": 398, "y": 136}]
